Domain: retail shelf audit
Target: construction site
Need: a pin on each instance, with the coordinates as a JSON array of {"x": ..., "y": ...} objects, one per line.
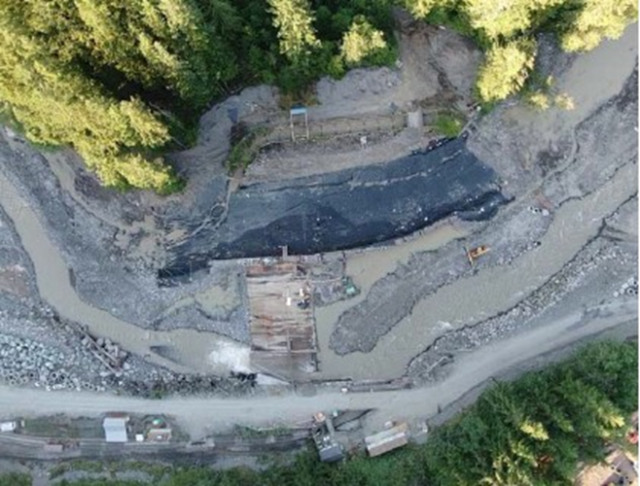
[{"x": 361, "y": 263}]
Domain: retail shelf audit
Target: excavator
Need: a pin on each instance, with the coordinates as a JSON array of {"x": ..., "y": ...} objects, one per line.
[{"x": 474, "y": 253}]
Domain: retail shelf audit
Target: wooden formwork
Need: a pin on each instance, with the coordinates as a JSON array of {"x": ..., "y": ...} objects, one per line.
[{"x": 283, "y": 340}]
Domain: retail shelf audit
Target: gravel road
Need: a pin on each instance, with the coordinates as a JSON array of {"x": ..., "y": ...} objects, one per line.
[
  {"x": 201, "y": 416},
  {"x": 582, "y": 165}
]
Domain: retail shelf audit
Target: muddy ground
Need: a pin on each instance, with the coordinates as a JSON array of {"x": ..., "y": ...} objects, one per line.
[{"x": 89, "y": 255}]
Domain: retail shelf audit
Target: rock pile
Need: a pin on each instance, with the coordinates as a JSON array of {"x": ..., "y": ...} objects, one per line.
[
  {"x": 630, "y": 287},
  {"x": 26, "y": 362}
]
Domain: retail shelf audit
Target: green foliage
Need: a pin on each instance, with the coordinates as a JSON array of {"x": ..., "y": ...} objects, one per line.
[
  {"x": 106, "y": 482},
  {"x": 538, "y": 100},
  {"x": 420, "y": 9},
  {"x": 504, "y": 30},
  {"x": 56, "y": 103},
  {"x": 293, "y": 19},
  {"x": 15, "y": 479},
  {"x": 361, "y": 41},
  {"x": 534, "y": 430},
  {"x": 540, "y": 93},
  {"x": 244, "y": 149},
  {"x": 530, "y": 432},
  {"x": 505, "y": 70},
  {"x": 585, "y": 25},
  {"x": 123, "y": 81},
  {"x": 156, "y": 471},
  {"x": 448, "y": 125},
  {"x": 75, "y": 465},
  {"x": 564, "y": 102},
  {"x": 499, "y": 19},
  {"x": 449, "y": 13}
]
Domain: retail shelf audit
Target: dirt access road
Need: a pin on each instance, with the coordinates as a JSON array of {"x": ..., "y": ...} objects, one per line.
[{"x": 201, "y": 416}]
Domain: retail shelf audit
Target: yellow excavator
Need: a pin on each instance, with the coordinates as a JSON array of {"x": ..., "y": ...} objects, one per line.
[{"x": 474, "y": 253}]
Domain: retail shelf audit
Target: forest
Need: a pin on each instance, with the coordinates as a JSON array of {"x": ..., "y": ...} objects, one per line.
[
  {"x": 533, "y": 431},
  {"x": 124, "y": 81}
]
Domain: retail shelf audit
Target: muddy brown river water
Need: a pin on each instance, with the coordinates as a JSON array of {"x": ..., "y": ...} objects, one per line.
[{"x": 193, "y": 349}]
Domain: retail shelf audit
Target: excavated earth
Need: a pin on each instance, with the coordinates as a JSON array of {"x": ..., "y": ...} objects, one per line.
[
  {"x": 342, "y": 210},
  {"x": 166, "y": 274}
]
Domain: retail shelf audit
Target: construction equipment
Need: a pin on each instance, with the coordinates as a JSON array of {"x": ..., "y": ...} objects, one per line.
[
  {"x": 349, "y": 287},
  {"x": 475, "y": 253},
  {"x": 322, "y": 432}
]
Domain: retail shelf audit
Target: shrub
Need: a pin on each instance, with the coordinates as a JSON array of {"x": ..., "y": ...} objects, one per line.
[{"x": 448, "y": 125}]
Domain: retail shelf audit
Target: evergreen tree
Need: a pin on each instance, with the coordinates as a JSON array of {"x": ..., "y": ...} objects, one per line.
[
  {"x": 56, "y": 104},
  {"x": 499, "y": 19},
  {"x": 294, "y": 21},
  {"x": 120, "y": 79},
  {"x": 505, "y": 69},
  {"x": 361, "y": 41},
  {"x": 595, "y": 20},
  {"x": 421, "y": 8}
]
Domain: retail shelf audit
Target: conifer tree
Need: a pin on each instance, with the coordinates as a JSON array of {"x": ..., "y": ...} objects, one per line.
[
  {"x": 294, "y": 21},
  {"x": 361, "y": 40},
  {"x": 596, "y": 20}
]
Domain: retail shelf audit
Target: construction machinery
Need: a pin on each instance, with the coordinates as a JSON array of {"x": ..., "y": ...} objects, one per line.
[{"x": 474, "y": 253}]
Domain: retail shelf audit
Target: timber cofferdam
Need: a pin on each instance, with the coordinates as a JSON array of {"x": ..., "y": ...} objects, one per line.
[{"x": 342, "y": 210}]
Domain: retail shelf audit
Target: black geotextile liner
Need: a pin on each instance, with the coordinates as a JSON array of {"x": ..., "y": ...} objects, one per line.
[{"x": 346, "y": 209}]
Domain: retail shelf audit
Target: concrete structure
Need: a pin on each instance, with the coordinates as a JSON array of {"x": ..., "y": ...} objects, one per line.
[
  {"x": 387, "y": 440},
  {"x": 115, "y": 427},
  {"x": 53, "y": 448},
  {"x": 415, "y": 119},
  {"x": 159, "y": 435}
]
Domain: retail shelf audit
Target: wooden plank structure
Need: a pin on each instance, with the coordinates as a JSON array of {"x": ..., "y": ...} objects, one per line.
[
  {"x": 387, "y": 440},
  {"x": 283, "y": 339}
]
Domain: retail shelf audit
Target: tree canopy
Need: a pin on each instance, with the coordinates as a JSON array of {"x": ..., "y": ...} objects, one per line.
[
  {"x": 507, "y": 30},
  {"x": 362, "y": 40},
  {"x": 294, "y": 20},
  {"x": 505, "y": 69},
  {"x": 596, "y": 20},
  {"x": 530, "y": 432},
  {"x": 123, "y": 81}
]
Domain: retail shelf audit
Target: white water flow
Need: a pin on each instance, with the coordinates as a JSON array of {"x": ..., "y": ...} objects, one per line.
[
  {"x": 192, "y": 350},
  {"x": 493, "y": 290}
]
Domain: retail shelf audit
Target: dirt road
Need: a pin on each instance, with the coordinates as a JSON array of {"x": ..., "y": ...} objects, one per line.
[{"x": 202, "y": 416}]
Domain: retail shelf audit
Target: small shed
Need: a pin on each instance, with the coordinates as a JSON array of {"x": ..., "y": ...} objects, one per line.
[
  {"x": 387, "y": 440},
  {"x": 298, "y": 112},
  {"x": 115, "y": 427},
  {"x": 10, "y": 426},
  {"x": 159, "y": 435},
  {"x": 53, "y": 448}
]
